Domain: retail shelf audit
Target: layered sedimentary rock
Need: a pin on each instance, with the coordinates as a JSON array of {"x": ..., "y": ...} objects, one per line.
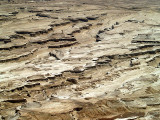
[{"x": 80, "y": 60}]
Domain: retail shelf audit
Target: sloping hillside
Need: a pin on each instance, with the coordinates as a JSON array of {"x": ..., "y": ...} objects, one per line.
[{"x": 80, "y": 60}]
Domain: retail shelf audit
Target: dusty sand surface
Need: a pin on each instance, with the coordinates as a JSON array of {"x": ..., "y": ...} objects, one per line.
[{"x": 80, "y": 60}]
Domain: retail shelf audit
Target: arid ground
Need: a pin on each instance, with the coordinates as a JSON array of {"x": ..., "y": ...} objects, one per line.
[{"x": 80, "y": 60}]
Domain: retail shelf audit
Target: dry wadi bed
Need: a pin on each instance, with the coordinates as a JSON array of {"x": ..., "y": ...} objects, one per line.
[{"x": 80, "y": 60}]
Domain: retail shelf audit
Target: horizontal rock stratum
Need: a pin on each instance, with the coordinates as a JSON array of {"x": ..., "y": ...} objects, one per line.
[{"x": 80, "y": 60}]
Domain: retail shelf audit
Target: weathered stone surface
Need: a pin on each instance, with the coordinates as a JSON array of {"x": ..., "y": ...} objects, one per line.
[{"x": 80, "y": 60}]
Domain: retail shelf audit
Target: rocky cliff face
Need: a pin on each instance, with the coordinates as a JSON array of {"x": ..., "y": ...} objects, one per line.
[{"x": 76, "y": 60}]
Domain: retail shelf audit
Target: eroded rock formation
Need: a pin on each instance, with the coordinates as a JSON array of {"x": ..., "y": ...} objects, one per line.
[{"x": 76, "y": 60}]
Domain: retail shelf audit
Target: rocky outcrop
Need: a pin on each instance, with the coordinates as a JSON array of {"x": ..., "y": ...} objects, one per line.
[{"x": 80, "y": 61}]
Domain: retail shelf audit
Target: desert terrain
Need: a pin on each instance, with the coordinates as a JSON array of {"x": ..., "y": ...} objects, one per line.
[{"x": 80, "y": 60}]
